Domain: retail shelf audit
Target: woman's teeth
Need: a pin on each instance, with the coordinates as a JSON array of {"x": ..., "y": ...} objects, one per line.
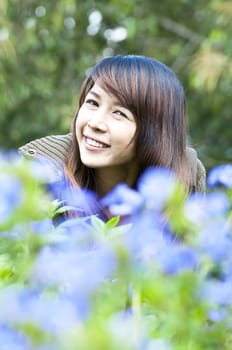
[{"x": 95, "y": 143}]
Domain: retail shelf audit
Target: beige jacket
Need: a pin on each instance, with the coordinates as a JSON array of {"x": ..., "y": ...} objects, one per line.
[{"x": 55, "y": 148}]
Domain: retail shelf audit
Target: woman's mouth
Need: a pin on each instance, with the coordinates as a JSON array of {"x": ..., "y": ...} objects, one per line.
[{"x": 94, "y": 143}]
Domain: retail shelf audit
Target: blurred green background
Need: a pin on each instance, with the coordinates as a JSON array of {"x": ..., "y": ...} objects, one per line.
[{"x": 47, "y": 46}]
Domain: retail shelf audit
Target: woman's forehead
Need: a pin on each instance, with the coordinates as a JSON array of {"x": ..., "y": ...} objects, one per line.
[{"x": 100, "y": 91}]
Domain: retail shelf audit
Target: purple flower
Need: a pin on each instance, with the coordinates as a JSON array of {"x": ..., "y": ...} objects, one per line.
[
  {"x": 11, "y": 339},
  {"x": 11, "y": 194},
  {"x": 76, "y": 232},
  {"x": 156, "y": 185},
  {"x": 63, "y": 313},
  {"x": 122, "y": 200},
  {"x": 178, "y": 258},
  {"x": 216, "y": 242},
  {"x": 220, "y": 175},
  {"x": 203, "y": 210},
  {"x": 217, "y": 315},
  {"x": 226, "y": 267},
  {"x": 42, "y": 227},
  {"x": 73, "y": 270},
  {"x": 217, "y": 293},
  {"x": 83, "y": 201},
  {"x": 55, "y": 314},
  {"x": 146, "y": 239},
  {"x": 149, "y": 242}
]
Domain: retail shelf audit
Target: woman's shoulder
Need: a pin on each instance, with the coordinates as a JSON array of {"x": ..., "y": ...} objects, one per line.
[
  {"x": 53, "y": 148},
  {"x": 51, "y": 151},
  {"x": 198, "y": 172}
]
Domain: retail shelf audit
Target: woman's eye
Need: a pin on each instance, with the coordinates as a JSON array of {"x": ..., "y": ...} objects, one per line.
[
  {"x": 91, "y": 102},
  {"x": 120, "y": 113}
]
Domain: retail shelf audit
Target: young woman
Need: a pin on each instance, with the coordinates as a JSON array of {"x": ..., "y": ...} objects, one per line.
[{"x": 131, "y": 115}]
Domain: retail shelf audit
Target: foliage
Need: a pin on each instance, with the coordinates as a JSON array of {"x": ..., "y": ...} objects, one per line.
[
  {"x": 159, "y": 281},
  {"x": 47, "y": 47}
]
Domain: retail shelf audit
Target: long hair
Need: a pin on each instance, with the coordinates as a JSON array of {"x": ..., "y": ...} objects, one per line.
[{"x": 155, "y": 96}]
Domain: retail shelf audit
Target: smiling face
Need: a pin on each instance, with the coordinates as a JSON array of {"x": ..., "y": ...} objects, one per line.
[{"x": 105, "y": 131}]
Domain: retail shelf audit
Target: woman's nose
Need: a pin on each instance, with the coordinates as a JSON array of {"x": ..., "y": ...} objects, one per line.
[{"x": 97, "y": 122}]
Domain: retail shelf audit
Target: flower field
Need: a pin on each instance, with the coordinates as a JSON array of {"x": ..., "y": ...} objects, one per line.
[{"x": 161, "y": 281}]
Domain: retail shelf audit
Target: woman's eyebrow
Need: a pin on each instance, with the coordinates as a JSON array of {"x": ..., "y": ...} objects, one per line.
[
  {"x": 116, "y": 102},
  {"x": 94, "y": 94}
]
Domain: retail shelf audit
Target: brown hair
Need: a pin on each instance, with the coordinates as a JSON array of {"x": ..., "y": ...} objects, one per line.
[{"x": 155, "y": 96}]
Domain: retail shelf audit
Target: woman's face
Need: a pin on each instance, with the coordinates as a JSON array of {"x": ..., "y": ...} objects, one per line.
[{"x": 105, "y": 131}]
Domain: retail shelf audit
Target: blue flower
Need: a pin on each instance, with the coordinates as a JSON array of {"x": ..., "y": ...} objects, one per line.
[
  {"x": 11, "y": 339},
  {"x": 146, "y": 239},
  {"x": 226, "y": 267},
  {"x": 42, "y": 227},
  {"x": 63, "y": 313},
  {"x": 203, "y": 210},
  {"x": 122, "y": 200},
  {"x": 220, "y": 175},
  {"x": 74, "y": 232},
  {"x": 11, "y": 195},
  {"x": 217, "y": 315},
  {"x": 156, "y": 185},
  {"x": 149, "y": 243},
  {"x": 179, "y": 258},
  {"x": 217, "y": 293},
  {"x": 216, "y": 242},
  {"x": 84, "y": 202},
  {"x": 73, "y": 270},
  {"x": 54, "y": 314}
]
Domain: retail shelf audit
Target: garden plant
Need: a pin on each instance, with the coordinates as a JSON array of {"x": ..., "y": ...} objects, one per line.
[{"x": 159, "y": 281}]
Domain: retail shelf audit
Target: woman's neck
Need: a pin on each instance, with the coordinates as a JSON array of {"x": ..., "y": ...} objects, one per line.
[{"x": 108, "y": 178}]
